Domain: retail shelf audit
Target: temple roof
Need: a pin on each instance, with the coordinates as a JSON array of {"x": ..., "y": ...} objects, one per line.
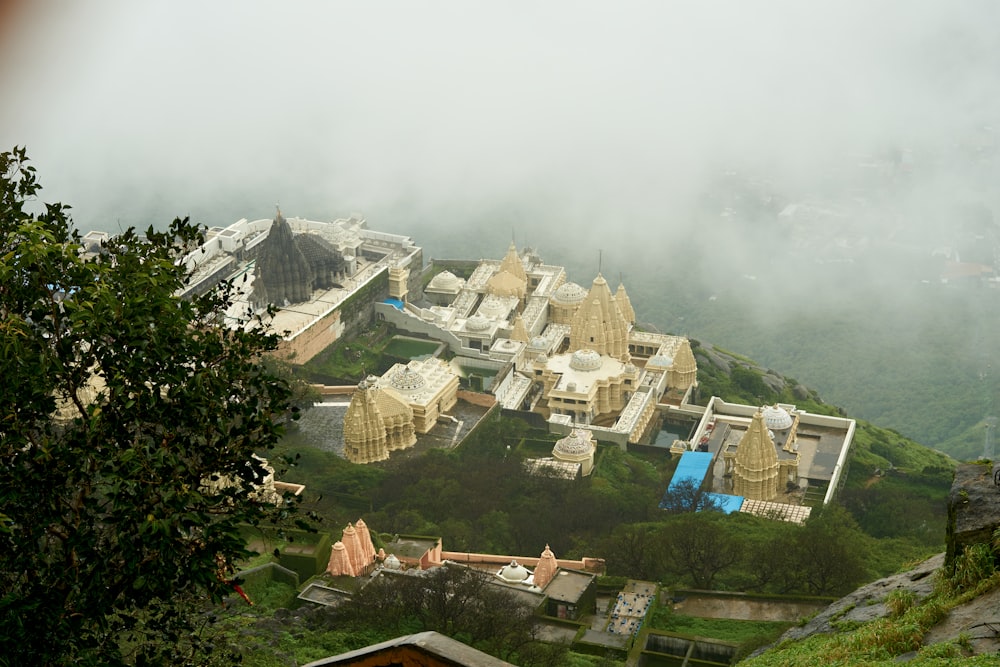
[
  {"x": 446, "y": 281},
  {"x": 756, "y": 451},
  {"x": 776, "y": 418},
  {"x": 577, "y": 443},
  {"x": 520, "y": 332},
  {"x": 405, "y": 379},
  {"x": 684, "y": 361},
  {"x": 546, "y": 567},
  {"x": 505, "y": 283},
  {"x": 512, "y": 264},
  {"x": 569, "y": 294},
  {"x": 599, "y": 324},
  {"x": 625, "y": 304}
]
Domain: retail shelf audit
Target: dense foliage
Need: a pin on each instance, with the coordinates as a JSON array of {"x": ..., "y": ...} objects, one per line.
[{"x": 121, "y": 517}]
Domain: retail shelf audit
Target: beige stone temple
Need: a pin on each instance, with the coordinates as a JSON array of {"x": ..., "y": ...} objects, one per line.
[
  {"x": 577, "y": 447},
  {"x": 760, "y": 469},
  {"x": 429, "y": 387},
  {"x": 599, "y": 325},
  {"x": 387, "y": 413},
  {"x": 377, "y": 422}
]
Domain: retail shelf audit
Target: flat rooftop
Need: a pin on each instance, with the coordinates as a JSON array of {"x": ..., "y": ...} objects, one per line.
[{"x": 568, "y": 585}]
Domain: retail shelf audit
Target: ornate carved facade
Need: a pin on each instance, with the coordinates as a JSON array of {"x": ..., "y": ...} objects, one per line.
[
  {"x": 758, "y": 472},
  {"x": 375, "y": 424},
  {"x": 290, "y": 267}
]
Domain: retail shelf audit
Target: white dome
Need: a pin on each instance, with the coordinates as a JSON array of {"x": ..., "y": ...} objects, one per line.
[
  {"x": 493, "y": 307},
  {"x": 446, "y": 281},
  {"x": 569, "y": 294},
  {"x": 776, "y": 418},
  {"x": 585, "y": 360},
  {"x": 477, "y": 323},
  {"x": 577, "y": 443},
  {"x": 660, "y": 360},
  {"x": 406, "y": 380},
  {"x": 515, "y": 573},
  {"x": 392, "y": 563},
  {"x": 538, "y": 342}
]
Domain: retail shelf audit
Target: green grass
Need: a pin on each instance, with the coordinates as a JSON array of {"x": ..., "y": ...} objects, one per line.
[
  {"x": 723, "y": 629},
  {"x": 409, "y": 348},
  {"x": 879, "y": 642}
]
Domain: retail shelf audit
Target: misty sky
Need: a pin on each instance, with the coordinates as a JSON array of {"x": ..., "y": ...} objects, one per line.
[
  {"x": 510, "y": 117},
  {"x": 665, "y": 134}
]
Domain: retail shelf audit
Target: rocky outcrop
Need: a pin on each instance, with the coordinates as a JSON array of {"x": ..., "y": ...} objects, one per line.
[
  {"x": 973, "y": 509},
  {"x": 868, "y": 602}
]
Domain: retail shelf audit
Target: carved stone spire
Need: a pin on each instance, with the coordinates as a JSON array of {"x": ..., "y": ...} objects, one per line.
[
  {"x": 755, "y": 475},
  {"x": 599, "y": 324},
  {"x": 364, "y": 429},
  {"x": 546, "y": 568},
  {"x": 520, "y": 332},
  {"x": 624, "y": 304},
  {"x": 282, "y": 273}
]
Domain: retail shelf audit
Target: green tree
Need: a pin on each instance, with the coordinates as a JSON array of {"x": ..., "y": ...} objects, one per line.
[
  {"x": 701, "y": 546},
  {"x": 832, "y": 552},
  {"x": 115, "y": 535}
]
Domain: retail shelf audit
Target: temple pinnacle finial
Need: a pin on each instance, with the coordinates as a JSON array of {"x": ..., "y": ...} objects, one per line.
[{"x": 600, "y": 260}]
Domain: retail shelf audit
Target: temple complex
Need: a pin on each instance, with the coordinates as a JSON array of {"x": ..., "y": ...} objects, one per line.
[
  {"x": 323, "y": 277},
  {"x": 569, "y": 354},
  {"x": 566, "y": 588},
  {"x": 773, "y": 460}
]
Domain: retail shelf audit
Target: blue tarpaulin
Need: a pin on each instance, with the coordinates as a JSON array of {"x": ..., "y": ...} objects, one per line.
[
  {"x": 395, "y": 303},
  {"x": 694, "y": 466},
  {"x": 728, "y": 504}
]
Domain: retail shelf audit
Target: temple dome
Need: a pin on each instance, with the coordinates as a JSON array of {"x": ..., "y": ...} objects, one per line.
[
  {"x": 569, "y": 294},
  {"x": 776, "y": 418},
  {"x": 577, "y": 443},
  {"x": 660, "y": 360},
  {"x": 407, "y": 380},
  {"x": 493, "y": 307},
  {"x": 585, "y": 360},
  {"x": 538, "y": 342},
  {"x": 515, "y": 573},
  {"x": 392, "y": 563},
  {"x": 477, "y": 323},
  {"x": 446, "y": 281}
]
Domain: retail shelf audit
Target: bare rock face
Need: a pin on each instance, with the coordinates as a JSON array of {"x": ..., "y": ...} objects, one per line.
[
  {"x": 868, "y": 602},
  {"x": 973, "y": 509}
]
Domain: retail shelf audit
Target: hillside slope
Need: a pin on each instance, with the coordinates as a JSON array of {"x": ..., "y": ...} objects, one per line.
[{"x": 920, "y": 616}]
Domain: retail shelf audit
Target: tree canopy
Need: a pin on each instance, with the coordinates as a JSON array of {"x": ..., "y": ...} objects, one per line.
[{"x": 129, "y": 417}]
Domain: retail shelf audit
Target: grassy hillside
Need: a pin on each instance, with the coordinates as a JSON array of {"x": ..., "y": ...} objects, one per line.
[{"x": 931, "y": 630}]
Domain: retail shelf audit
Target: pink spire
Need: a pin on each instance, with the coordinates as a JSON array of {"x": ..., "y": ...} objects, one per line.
[
  {"x": 354, "y": 550},
  {"x": 546, "y": 568},
  {"x": 367, "y": 547},
  {"x": 340, "y": 561}
]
